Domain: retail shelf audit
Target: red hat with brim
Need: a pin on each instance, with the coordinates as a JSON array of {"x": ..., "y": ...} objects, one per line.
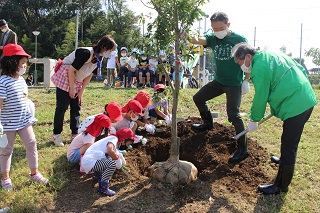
[
  {"x": 114, "y": 111},
  {"x": 144, "y": 98},
  {"x": 159, "y": 86},
  {"x": 14, "y": 49},
  {"x": 125, "y": 133},
  {"x": 133, "y": 105}
]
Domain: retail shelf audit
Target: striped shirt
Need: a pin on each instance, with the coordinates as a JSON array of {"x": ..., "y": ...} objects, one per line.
[{"x": 14, "y": 113}]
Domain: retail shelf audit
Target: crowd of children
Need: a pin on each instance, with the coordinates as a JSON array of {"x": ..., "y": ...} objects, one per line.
[
  {"x": 98, "y": 147},
  {"x": 143, "y": 70}
]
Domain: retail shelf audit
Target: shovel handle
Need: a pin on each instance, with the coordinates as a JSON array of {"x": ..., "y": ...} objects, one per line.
[{"x": 246, "y": 130}]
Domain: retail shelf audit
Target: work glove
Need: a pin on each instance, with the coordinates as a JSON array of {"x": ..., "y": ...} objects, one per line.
[
  {"x": 245, "y": 88},
  {"x": 1, "y": 129},
  {"x": 112, "y": 131},
  {"x": 252, "y": 126},
  {"x": 139, "y": 139},
  {"x": 150, "y": 128},
  {"x": 168, "y": 120},
  {"x": 120, "y": 161}
]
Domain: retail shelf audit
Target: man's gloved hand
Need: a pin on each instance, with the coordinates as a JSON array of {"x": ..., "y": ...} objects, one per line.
[
  {"x": 120, "y": 161},
  {"x": 252, "y": 126},
  {"x": 245, "y": 88},
  {"x": 150, "y": 128},
  {"x": 168, "y": 120},
  {"x": 1, "y": 128}
]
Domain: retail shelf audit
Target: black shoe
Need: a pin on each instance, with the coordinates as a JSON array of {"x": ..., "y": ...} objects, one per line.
[
  {"x": 269, "y": 189},
  {"x": 202, "y": 127},
  {"x": 140, "y": 85},
  {"x": 275, "y": 159},
  {"x": 148, "y": 85},
  {"x": 238, "y": 156}
]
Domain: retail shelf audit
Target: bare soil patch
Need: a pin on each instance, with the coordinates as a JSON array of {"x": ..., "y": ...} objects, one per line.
[{"x": 220, "y": 187}]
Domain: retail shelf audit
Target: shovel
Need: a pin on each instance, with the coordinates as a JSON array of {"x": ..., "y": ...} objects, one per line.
[
  {"x": 3, "y": 140},
  {"x": 246, "y": 130}
]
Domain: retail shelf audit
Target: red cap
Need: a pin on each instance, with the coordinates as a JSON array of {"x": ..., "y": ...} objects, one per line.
[
  {"x": 114, "y": 111},
  {"x": 125, "y": 133},
  {"x": 14, "y": 49},
  {"x": 144, "y": 98},
  {"x": 159, "y": 86},
  {"x": 133, "y": 105}
]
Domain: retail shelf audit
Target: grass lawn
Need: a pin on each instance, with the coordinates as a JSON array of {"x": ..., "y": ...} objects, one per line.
[{"x": 304, "y": 191}]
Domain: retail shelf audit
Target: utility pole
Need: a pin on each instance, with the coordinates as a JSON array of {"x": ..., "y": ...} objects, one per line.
[
  {"x": 254, "y": 38},
  {"x": 77, "y": 29},
  {"x": 300, "y": 45}
]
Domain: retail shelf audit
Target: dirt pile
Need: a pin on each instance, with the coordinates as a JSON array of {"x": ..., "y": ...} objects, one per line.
[{"x": 209, "y": 151}]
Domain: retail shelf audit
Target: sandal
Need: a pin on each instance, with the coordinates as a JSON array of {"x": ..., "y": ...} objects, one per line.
[{"x": 39, "y": 178}]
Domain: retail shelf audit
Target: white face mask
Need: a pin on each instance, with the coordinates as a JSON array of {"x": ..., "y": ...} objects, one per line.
[
  {"x": 106, "y": 54},
  {"x": 4, "y": 30},
  {"x": 221, "y": 34},
  {"x": 134, "y": 118},
  {"x": 123, "y": 54},
  {"x": 143, "y": 58},
  {"x": 21, "y": 71},
  {"x": 245, "y": 68},
  {"x": 163, "y": 58}
]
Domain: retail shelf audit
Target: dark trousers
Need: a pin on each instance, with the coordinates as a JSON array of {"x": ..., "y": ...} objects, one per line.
[
  {"x": 214, "y": 89},
  {"x": 130, "y": 75},
  {"x": 123, "y": 71},
  {"x": 63, "y": 101},
  {"x": 291, "y": 134}
]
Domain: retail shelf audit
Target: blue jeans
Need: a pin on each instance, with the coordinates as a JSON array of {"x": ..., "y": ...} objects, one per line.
[
  {"x": 214, "y": 89},
  {"x": 63, "y": 101},
  {"x": 130, "y": 75}
]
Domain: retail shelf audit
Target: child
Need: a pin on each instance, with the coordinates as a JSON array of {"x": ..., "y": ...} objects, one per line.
[
  {"x": 131, "y": 112},
  {"x": 143, "y": 70},
  {"x": 144, "y": 99},
  {"x": 123, "y": 65},
  {"x": 165, "y": 62},
  {"x": 91, "y": 129},
  {"x": 111, "y": 68},
  {"x": 159, "y": 100},
  {"x": 153, "y": 68},
  {"x": 133, "y": 65},
  {"x": 103, "y": 156},
  {"x": 14, "y": 114}
]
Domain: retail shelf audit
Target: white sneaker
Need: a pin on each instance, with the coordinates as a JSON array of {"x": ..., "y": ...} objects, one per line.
[{"x": 57, "y": 139}]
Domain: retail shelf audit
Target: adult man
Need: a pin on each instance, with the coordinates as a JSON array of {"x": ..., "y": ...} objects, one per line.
[
  {"x": 7, "y": 36},
  {"x": 228, "y": 79},
  {"x": 282, "y": 83}
]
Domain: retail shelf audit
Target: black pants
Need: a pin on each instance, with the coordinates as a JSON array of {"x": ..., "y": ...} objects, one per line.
[
  {"x": 123, "y": 71},
  {"x": 214, "y": 89},
  {"x": 63, "y": 101},
  {"x": 291, "y": 134}
]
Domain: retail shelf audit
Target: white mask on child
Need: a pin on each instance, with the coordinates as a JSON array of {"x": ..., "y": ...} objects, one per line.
[
  {"x": 123, "y": 54},
  {"x": 143, "y": 58},
  {"x": 21, "y": 71},
  {"x": 134, "y": 118}
]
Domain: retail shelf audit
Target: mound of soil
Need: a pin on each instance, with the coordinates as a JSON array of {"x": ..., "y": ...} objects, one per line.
[{"x": 219, "y": 184}]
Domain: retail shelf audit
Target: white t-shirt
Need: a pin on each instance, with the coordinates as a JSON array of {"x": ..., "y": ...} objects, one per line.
[
  {"x": 123, "y": 60},
  {"x": 97, "y": 151},
  {"x": 133, "y": 63},
  {"x": 153, "y": 64},
  {"x": 112, "y": 60},
  {"x": 14, "y": 113},
  {"x": 79, "y": 141}
]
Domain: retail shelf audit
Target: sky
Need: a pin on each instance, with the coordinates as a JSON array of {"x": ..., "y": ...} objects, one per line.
[{"x": 275, "y": 23}]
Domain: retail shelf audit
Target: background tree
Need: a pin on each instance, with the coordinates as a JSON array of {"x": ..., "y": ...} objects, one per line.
[
  {"x": 315, "y": 54},
  {"x": 173, "y": 17}
]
